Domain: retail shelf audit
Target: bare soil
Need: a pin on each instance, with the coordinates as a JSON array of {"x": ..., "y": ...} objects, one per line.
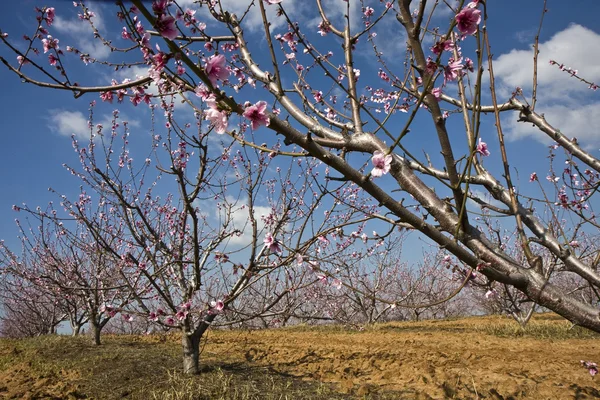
[{"x": 486, "y": 358}]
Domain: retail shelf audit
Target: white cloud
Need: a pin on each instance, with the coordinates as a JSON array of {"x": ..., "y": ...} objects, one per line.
[
  {"x": 241, "y": 221},
  {"x": 81, "y": 32},
  {"x": 67, "y": 123},
  {"x": 253, "y": 19},
  {"x": 577, "y": 46},
  {"x": 582, "y": 122},
  {"x": 567, "y": 104},
  {"x": 238, "y": 217}
]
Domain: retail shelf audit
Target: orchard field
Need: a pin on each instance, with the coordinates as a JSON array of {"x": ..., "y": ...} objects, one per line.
[
  {"x": 477, "y": 357},
  {"x": 191, "y": 166}
]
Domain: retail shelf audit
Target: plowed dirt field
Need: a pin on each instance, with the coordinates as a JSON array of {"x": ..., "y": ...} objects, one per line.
[
  {"x": 431, "y": 359},
  {"x": 473, "y": 358}
]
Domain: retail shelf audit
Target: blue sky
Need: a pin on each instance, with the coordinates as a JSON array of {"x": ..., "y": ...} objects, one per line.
[{"x": 37, "y": 123}]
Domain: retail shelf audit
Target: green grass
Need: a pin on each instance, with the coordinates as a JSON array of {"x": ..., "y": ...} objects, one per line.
[{"x": 539, "y": 330}]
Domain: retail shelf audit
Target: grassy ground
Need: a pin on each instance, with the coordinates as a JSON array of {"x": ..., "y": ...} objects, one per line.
[
  {"x": 469, "y": 358},
  {"x": 133, "y": 367}
]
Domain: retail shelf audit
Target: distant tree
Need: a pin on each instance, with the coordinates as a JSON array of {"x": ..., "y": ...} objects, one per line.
[
  {"x": 71, "y": 268},
  {"x": 26, "y": 310},
  {"x": 372, "y": 284}
]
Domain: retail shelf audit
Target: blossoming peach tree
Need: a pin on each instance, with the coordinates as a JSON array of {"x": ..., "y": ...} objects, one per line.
[
  {"x": 263, "y": 86},
  {"x": 237, "y": 219},
  {"x": 70, "y": 267}
]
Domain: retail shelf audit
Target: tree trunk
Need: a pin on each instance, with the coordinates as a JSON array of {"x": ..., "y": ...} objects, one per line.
[
  {"x": 75, "y": 329},
  {"x": 95, "y": 331},
  {"x": 191, "y": 352}
]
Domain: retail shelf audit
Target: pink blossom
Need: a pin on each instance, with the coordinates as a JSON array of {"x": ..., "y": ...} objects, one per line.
[
  {"x": 52, "y": 59},
  {"x": 217, "y": 118},
  {"x": 442, "y": 45},
  {"x": 431, "y": 66},
  {"x": 22, "y": 60},
  {"x": 216, "y": 69},
  {"x": 381, "y": 164},
  {"x": 50, "y": 15},
  {"x": 337, "y": 284},
  {"x": 202, "y": 92},
  {"x": 592, "y": 367},
  {"x": 217, "y": 306},
  {"x": 482, "y": 148},
  {"x": 330, "y": 113},
  {"x": 159, "y": 7},
  {"x": 165, "y": 25},
  {"x": 437, "y": 93},
  {"x": 256, "y": 114},
  {"x": 271, "y": 243},
  {"x": 467, "y": 20},
  {"x": 324, "y": 28},
  {"x": 368, "y": 11},
  {"x": 125, "y": 34},
  {"x": 469, "y": 64},
  {"x": 533, "y": 177},
  {"x": 452, "y": 70},
  {"x": 273, "y": 1},
  {"x": 49, "y": 43},
  {"x": 383, "y": 75}
]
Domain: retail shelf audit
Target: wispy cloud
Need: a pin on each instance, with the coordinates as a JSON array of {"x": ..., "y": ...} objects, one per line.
[
  {"x": 68, "y": 123},
  {"x": 239, "y": 218},
  {"x": 566, "y": 103},
  {"x": 81, "y": 32}
]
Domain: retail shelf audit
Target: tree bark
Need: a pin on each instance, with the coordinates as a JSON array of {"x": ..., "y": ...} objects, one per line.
[
  {"x": 95, "y": 331},
  {"x": 76, "y": 329},
  {"x": 190, "y": 344}
]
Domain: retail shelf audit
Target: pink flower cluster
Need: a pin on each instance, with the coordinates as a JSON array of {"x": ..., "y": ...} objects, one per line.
[
  {"x": 257, "y": 115},
  {"x": 218, "y": 118},
  {"x": 216, "y": 69},
  {"x": 165, "y": 23},
  {"x": 272, "y": 243},
  {"x": 468, "y": 19}
]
